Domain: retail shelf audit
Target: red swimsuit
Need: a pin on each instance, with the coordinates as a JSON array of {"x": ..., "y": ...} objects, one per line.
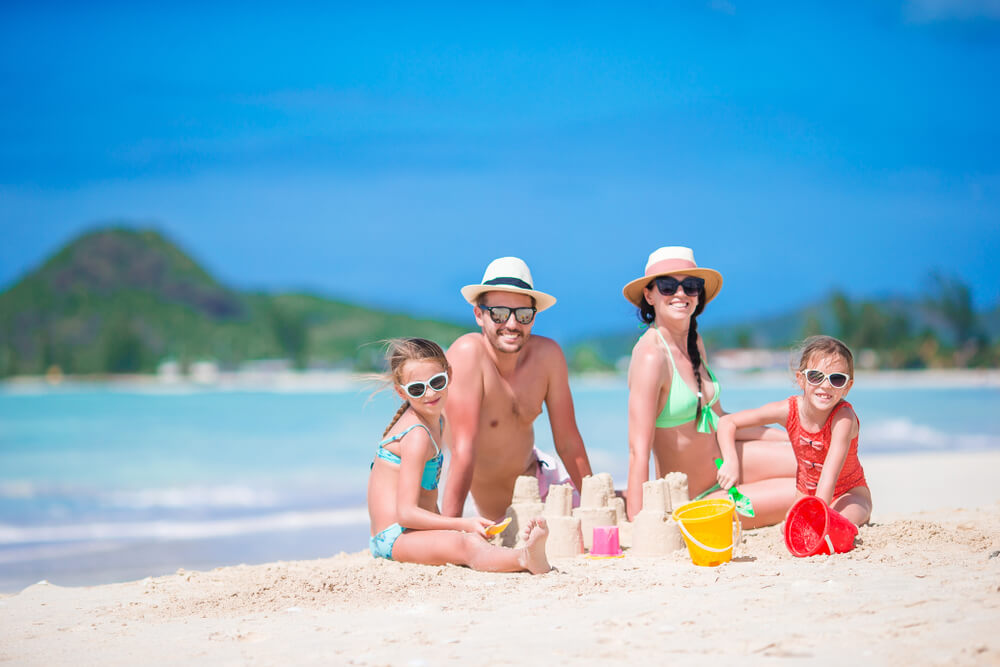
[{"x": 810, "y": 453}]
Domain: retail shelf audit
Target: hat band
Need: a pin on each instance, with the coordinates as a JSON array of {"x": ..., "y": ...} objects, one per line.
[
  {"x": 669, "y": 266},
  {"x": 513, "y": 282}
]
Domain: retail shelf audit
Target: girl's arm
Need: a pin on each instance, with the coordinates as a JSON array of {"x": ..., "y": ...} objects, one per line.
[
  {"x": 646, "y": 380},
  {"x": 730, "y": 424},
  {"x": 844, "y": 429},
  {"x": 413, "y": 450}
]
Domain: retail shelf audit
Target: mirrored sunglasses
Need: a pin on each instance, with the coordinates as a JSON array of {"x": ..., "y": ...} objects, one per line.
[
  {"x": 668, "y": 285},
  {"x": 435, "y": 382},
  {"x": 815, "y": 377},
  {"x": 500, "y": 314}
]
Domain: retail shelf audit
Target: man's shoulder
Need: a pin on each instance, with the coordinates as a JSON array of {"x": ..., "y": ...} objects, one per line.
[{"x": 467, "y": 349}]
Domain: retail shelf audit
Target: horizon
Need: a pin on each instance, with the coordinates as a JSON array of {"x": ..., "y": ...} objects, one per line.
[{"x": 361, "y": 153}]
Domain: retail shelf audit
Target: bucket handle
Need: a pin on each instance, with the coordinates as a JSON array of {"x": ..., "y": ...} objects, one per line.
[{"x": 737, "y": 529}]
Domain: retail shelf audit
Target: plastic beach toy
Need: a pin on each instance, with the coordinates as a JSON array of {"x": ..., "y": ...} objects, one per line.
[
  {"x": 743, "y": 504},
  {"x": 710, "y": 529},
  {"x": 498, "y": 528},
  {"x": 605, "y": 543},
  {"x": 812, "y": 528}
]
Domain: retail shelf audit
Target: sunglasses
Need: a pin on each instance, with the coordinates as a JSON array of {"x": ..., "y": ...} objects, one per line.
[
  {"x": 815, "y": 377},
  {"x": 417, "y": 389},
  {"x": 500, "y": 314},
  {"x": 668, "y": 285}
]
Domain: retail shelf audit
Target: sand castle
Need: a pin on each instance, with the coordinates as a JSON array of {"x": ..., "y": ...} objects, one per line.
[
  {"x": 654, "y": 532},
  {"x": 571, "y": 531}
]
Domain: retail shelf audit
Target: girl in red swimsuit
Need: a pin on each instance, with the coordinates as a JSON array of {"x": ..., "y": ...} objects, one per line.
[{"x": 822, "y": 427}]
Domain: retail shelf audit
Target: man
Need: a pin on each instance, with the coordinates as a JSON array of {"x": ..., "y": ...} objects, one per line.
[{"x": 500, "y": 378}]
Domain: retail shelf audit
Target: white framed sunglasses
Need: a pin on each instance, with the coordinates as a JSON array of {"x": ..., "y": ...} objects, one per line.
[
  {"x": 417, "y": 389},
  {"x": 815, "y": 377}
]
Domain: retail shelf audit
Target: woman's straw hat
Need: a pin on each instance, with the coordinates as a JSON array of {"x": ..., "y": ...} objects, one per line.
[
  {"x": 673, "y": 259},
  {"x": 508, "y": 274}
]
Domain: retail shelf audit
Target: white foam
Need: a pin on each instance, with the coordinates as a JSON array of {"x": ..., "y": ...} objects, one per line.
[
  {"x": 905, "y": 435},
  {"x": 181, "y": 530},
  {"x": 194, "y": 496}
]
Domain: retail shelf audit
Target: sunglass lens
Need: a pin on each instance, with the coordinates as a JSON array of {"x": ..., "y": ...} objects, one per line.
[
  {"x": 499, "y": 314},
  {"x": 814, "y": 377},
  {"x": 666, "y": 285},
  {"x": 524, "y": 315},
  {"x": 416, "y": 390},
  {"x": 438, "y": 382},
  {"x": 837, "y": 380},
  {"x": 692, "y": 286}
]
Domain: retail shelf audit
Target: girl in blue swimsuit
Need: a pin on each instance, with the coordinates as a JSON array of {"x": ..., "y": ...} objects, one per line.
[
  {"x": 673, "y": 404},
  {"x": 402, "y": 487}
]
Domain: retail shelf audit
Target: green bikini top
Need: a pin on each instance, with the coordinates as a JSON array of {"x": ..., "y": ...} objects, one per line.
[{"x": 682, "y": 403}]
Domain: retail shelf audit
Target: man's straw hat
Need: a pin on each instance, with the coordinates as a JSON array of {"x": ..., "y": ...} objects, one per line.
[{"x": 508, "y": 274}]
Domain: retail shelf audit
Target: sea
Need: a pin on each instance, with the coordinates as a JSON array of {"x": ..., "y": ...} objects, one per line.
[{"x": 112, "y": 482}]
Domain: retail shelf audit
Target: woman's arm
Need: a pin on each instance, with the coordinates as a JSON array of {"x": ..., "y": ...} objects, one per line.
[
  {"x": 842, "y": 431},
  {"x": 730, "y": 424},
  {"x": 646, "y": 381}
]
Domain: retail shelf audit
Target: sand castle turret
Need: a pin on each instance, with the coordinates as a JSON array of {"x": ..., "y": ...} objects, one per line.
[
  {"x": 596, "y": 506},
  {"x": 526, "y": 504},
  {"x": 654, "y": 532},
  {"x": 565, "y": 535}
]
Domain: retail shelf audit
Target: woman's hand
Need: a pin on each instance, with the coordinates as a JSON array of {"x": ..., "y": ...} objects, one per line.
[{"x": 728, "y": 474}]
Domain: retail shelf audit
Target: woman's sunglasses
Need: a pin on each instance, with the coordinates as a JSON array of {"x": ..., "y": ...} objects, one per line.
[
  {"x": 668, "y": 285},
  {"x": 500, "y": 314},
  {"x": 815, "y": 377},
  {"x": 417, "y": 389}
]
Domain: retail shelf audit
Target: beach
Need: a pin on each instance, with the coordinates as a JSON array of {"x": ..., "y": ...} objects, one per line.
[{"x": 922, "y": 586}]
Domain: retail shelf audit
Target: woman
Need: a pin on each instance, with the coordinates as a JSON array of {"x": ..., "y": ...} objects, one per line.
[{"x": 673, "y": 405}]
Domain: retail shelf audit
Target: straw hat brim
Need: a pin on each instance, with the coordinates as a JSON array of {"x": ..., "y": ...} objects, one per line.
[
  {"x": 471, "y": 293},
  {"x": 713, "y": 283}
]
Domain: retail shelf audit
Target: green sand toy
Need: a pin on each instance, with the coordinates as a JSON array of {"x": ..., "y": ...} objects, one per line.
[{"x": 743, "y": 504}]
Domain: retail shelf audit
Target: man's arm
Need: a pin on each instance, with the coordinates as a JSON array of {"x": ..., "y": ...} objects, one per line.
[
  {"x": 465, "y": 397},
  {"x": 559, "y": 401}
]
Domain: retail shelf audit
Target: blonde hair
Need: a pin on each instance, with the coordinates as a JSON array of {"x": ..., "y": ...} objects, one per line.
[
  {"x": 824, "y": 345},
  {"x": 398, "y": 351}
]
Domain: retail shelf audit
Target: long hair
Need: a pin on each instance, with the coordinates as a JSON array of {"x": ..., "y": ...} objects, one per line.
[
  {"x": 647, "y": 314},
  {"x": 398, "y": 351}
]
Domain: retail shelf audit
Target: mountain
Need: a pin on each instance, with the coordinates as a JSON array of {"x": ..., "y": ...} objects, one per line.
[{"x": 123, "y": 300}]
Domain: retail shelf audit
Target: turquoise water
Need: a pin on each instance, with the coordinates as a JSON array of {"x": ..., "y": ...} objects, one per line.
[{"x": 102, "y": 484}]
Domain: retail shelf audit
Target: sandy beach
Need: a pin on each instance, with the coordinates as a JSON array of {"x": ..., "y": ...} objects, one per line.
[{"x": 922, "y": 586}]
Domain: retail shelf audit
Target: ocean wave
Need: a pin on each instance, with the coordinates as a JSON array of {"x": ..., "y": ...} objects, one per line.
[
  {"x": 904, "y": 434},
  {"x": 181, "y": 530},
  {"x": 194, "y": 497}
]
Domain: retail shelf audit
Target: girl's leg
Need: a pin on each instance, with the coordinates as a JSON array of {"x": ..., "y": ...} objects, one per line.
[
  {"x": 855, "y": 505},
  {"x": 438, "y": 547},
  {"x": 771, "y": 499}
]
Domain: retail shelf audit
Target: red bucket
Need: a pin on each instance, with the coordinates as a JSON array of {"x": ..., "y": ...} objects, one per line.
[{"x": 812, "y": 528}]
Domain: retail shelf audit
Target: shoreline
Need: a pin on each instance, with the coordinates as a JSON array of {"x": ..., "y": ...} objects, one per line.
[
  {"x": 337, "y": 381},
  {"x": 921, "y": 586}
]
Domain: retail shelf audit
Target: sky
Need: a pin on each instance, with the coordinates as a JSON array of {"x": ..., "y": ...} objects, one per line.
[{"x": 384, "y": 155}]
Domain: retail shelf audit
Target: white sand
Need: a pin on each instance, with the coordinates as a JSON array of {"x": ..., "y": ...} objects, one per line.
[{"x": 923, "y": 587}]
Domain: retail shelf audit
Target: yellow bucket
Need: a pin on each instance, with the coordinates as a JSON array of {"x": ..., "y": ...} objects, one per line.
[{"x": 708, "y": 529}]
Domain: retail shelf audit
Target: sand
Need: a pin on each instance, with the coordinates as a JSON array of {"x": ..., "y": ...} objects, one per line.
[{"x": 922, "y": 586}]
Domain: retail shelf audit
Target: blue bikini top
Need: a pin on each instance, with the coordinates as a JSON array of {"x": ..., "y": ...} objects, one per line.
[{"x": 432, "y": 468}]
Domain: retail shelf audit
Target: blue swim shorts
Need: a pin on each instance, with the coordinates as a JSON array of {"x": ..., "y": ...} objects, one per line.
[{"x": 381, "y": 543}]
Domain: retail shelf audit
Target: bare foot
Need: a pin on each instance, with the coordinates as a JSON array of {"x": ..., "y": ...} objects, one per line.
[{"x": 533, "y": 554}]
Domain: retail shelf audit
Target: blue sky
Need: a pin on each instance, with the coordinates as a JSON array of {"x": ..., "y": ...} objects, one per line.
[{"x": 385, "y": 155}]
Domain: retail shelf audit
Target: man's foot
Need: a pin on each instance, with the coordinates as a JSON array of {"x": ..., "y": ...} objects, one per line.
[{"x": 533, "y": 555}]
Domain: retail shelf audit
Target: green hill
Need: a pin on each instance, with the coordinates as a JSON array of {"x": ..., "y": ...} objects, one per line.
[
  {"x": 941, "y": 330},
  {"x": 119, "y": 300}
]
